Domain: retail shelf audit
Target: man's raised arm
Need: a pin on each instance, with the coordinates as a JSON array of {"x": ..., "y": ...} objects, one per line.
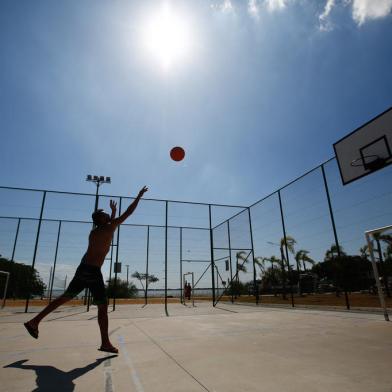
[{"x": 130, "y": 209}]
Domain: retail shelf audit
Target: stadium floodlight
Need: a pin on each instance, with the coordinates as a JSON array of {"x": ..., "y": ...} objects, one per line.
[{"x": 98, "y": 180}]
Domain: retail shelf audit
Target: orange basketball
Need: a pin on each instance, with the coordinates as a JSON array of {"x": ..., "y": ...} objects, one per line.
[{"x": 177, "y": 154}]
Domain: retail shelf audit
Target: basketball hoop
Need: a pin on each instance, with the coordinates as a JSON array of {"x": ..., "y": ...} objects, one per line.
[{"x": 369, "y": 162}]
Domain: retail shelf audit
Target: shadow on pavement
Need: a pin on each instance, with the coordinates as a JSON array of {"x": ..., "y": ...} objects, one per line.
[{"x": 52, "y": 379}]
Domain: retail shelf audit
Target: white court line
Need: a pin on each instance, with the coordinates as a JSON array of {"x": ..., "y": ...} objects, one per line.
[
  {"x": 107, "y": 374},
  {"x": 128, "y": 360}
]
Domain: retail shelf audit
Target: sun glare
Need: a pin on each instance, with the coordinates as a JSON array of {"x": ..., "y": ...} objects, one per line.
[{"x": 167, "y": 37}]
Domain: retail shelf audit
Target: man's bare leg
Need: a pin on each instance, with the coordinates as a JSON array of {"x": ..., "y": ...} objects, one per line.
[
  {"x": 34, "y": 322},
  {"x": 103, "y": 326}
]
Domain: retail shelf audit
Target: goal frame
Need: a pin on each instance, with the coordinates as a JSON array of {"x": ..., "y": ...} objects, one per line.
[
  {"x": 369, "y": 239},
  {"x": 6, "y": 287}
]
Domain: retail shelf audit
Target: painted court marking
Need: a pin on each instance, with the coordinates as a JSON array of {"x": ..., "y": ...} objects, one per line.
[
  {"x": 128, "y": 360},
  {"x": 171, "y": 357}
]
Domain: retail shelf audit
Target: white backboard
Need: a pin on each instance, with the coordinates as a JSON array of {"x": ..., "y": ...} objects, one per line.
[{"x": 373, "y": 139}]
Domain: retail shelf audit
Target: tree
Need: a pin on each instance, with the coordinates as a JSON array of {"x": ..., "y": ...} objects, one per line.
[
  {"x": 286, "y": 242},
  {"x": 120, "y": 289},
  {"x": 364, "y": 251},
  {"x": 273, "y": 276},
  {"x": 260, "y": 262},
  {"x": 351, "y": 272},
  {"x": 147, "y": 278},
  {"x": 243, "y": 256},
  {"x": 302, "y": 255},
  {"x": 334, "y": 252},
  {"x": 23, "y": 281}
]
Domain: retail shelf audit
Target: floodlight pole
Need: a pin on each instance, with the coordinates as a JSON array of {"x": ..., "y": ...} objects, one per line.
[{"x": 98, "y": 180}]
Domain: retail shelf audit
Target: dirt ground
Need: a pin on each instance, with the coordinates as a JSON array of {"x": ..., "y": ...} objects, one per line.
[{"x": 356, "y": 300}]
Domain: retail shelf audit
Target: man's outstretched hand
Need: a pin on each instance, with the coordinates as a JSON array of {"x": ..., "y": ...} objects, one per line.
[
  {"x": 113, "y": 206},
  {"x": 143, "y": 191}
]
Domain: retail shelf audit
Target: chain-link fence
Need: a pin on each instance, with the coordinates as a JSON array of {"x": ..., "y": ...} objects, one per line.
[
  {"x": 44, "y": 235},
  {"x": 302, "y": 245}
]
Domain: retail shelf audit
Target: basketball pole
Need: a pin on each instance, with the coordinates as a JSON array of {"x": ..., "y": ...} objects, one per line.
[{"x": 334, "y": 228}]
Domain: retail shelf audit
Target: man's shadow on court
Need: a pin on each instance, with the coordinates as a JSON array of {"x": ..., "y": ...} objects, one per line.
[{"x": 52, "y": 379}]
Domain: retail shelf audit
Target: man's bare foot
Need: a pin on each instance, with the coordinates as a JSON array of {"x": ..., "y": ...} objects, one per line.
[
  {"x": 108, "y": 348},
  {"x": 32, "y": 329}
]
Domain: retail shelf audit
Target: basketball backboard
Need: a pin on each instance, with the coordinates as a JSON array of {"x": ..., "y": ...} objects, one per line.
[{"x": 365, "y": 150}]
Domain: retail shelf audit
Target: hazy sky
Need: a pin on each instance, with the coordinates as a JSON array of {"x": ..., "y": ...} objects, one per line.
[{"x": 256, "y": 92}]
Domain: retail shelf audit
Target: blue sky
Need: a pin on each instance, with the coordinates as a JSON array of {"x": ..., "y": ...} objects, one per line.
[
  {"x": 257, "y": 96},
  {"x": 266, "y": 89}
]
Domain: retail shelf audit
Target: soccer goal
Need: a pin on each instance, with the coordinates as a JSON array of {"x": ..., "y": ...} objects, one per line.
[
  {"x": 371, "y": 237},
  {"x": 7, "y": 274}
]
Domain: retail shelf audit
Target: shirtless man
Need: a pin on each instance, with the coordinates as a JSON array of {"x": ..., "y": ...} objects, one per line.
[{"x": 88, "y": 273}]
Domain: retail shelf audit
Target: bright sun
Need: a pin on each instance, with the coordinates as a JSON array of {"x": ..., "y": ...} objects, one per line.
[{"x": 167, "y": 37}]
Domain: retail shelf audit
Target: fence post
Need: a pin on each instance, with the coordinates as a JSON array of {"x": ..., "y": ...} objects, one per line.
[
  {"x": 231, "y": 267},
  {"x": 181, "y": 283},
  {"x": 285, "y": 245},
  {"x": 36, "y": 245},
  {"x": 255, "y": 285},
  {"x": 166, "y": 222},
  {"x": 116, "y": 263},
  {"x": 212, "y": 256},
  {"x": 334, "y": 228},
  {"x": 55, "y": 260},
  {"x": 147, "y": 256},
  {"x": 15, "y": 240}
]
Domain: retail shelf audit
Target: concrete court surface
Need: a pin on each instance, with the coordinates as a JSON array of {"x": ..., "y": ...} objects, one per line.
[{"x": 228, "y": 348}]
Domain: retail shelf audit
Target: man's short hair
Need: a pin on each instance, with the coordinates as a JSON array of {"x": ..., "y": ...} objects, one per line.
[{"x": 96, "y": 214}]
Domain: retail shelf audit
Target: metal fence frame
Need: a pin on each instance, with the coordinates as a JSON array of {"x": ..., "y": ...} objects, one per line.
[{"x": 246, "y": 210}]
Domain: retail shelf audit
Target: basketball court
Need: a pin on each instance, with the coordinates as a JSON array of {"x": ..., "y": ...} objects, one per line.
[{"x": 201, "y": 348}]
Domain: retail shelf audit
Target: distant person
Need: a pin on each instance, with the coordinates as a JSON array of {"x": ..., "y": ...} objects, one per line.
[
  {"x": 188, "y": 291},
  {"x": 88, "y": 273},
  {"x": 185, "y": 290}
]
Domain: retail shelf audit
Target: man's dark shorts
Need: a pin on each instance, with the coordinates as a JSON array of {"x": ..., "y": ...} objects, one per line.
[{"x": 88, "y": 276}]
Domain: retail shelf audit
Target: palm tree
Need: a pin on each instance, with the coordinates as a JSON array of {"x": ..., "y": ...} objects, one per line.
[
  {"x": 334, "y": 251},
  {"x": 260, "y": 262},
  {"x": 287, "y": 242},
  {"x": 241, "y": 266},
  {"x": 272, "y": 274},
  {"x": 302, "y": 255},
  {"x": 364, "y": 251}
]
